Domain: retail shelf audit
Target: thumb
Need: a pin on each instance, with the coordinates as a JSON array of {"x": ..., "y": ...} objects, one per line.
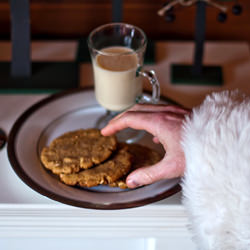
[{"x": 164, "y": 169}]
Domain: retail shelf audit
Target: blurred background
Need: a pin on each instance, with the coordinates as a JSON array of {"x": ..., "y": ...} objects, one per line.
[
  {"x": 71, "y": 19},
  {"x": 52, "y": 52}
]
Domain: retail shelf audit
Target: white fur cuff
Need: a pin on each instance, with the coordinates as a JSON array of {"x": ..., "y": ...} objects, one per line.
[{"x": 216, "y": 183}]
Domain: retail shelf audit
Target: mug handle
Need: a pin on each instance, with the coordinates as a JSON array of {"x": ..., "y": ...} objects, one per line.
[{"x": 151, "y": 76}]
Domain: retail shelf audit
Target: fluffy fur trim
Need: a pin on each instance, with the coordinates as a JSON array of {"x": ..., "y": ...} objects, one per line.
[{"x": 216, "y": 183}]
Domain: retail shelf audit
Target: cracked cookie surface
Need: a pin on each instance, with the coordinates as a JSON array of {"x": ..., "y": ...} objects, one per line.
[
  {"x": 108, "y": 172},
  {"x": 76, "y": 150}
]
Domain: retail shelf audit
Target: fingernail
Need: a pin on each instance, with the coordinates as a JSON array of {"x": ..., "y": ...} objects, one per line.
[
  {"x": 132, "y": 183},
  {"x": 103, "y": 130}
]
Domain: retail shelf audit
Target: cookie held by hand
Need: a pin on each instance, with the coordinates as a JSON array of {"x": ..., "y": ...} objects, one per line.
[
  {"x": 141, "y": 156},
  {"x": 108, "y": 172}
]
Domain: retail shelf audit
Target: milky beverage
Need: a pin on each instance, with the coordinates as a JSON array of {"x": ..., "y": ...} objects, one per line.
[{"x": 116, "y": 83}]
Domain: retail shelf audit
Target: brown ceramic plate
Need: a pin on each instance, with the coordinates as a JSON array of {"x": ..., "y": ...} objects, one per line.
[{"x": 48, "y": 119}]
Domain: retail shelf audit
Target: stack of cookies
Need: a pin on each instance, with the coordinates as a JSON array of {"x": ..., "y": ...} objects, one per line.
[{"x": 86, "y": 158}]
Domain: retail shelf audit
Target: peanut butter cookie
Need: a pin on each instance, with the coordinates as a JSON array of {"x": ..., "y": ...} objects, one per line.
[
  {"x": 76, "y": 150},
  {"x": 108, "y": 172}
]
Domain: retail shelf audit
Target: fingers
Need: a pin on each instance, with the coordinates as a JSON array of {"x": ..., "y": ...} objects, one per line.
[
  {"x": 160, "y": 108},
  {"x": 130, "y": 119},
  {"x": 152, "y": 122},
  {"x": 155, "y": 108},
  {"x": 163, "y": 170},
  {"x": 143, "y": 117},
  {"x": 137, "y": 120}
]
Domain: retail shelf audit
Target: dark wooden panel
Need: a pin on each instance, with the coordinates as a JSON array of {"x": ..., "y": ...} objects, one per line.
[{"x": 53, "y": 19}]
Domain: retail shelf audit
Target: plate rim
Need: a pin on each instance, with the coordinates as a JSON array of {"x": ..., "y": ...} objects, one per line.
[{"x": 18, "y": 169}]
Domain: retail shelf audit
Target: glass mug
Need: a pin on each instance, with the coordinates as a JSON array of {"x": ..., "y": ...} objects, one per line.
[{"x": 117, "y": 52}]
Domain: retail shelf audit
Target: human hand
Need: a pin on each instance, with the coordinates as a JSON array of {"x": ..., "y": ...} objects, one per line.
[{"x": 164, "y": 122}]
